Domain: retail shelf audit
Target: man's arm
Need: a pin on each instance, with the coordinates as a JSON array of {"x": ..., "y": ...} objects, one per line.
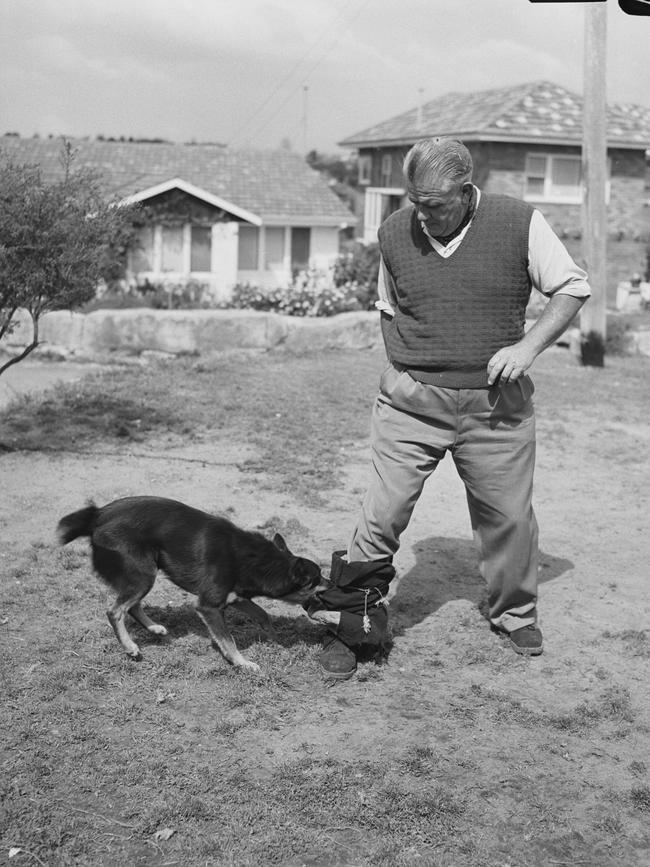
[
  {"x": 386, "y": 319},
  {"x": 385, "y": 303},
  {"x": 554, "y": 273},
  {"x": 511, "y": 362}
]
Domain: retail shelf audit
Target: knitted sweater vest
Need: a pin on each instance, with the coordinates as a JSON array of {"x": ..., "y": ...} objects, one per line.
[{"x": 452, "y": 315}]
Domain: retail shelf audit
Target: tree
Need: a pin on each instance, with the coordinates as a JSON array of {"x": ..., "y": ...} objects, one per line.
[
  {"x": 343, "y": 170},
  {"x": 341, "y": 174},
  {"x": 58, "y": 240}
]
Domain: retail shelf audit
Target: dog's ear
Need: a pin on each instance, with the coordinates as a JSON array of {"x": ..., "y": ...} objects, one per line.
[{"x": 279, "y": 542}]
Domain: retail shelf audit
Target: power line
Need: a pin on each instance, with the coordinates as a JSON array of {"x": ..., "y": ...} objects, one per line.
[
  {"x": 286, "y": 77},
  {"x": 340, "y": 21}
]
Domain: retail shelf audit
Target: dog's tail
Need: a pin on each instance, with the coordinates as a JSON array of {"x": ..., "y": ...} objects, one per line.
[{"x": 77, "y": 524}]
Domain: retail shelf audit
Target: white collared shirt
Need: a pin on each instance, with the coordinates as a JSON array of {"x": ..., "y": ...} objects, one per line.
[{"x": 550, "y": 267}]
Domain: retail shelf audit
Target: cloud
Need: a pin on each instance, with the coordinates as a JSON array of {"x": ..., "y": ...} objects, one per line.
[
  {"x": 191, "y": 29},
  {"x": 206, "y": 68}
]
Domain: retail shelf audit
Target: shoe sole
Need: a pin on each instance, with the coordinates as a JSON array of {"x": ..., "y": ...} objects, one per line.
[
  {"x": 522, "y": 651},
  {"x": 525, "y": 651},
  {"x": 337, "y": 675}
]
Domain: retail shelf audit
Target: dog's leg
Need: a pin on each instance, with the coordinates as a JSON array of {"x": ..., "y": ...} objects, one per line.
[
  {"x": 255, "y": 612},
  {"x": 137, "y": 613},
  {"x": 221, "y": 637},
  {"x": 131, "y": 575},
  {"x": 116, "y": 617}
]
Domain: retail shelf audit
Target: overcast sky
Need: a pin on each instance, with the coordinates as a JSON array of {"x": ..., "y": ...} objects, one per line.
[{"x": 257, "y": 72}]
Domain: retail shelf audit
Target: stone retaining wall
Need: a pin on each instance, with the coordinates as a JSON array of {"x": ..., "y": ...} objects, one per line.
[
  {"x": 98, "y": 335},
  {"x": 194, "y": 332}
]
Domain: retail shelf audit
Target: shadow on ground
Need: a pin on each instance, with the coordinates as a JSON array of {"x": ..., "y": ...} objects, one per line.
[
  {"x": 183, "y": 620},
  {"x": 446, "y": 570}
]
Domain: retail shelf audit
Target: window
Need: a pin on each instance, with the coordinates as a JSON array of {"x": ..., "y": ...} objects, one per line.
[
  {"x": 172, "y": 248},
  {"x": 386, "y": 170},
  {"x": 274, "y": 248},
  {"x": 248, "y": 248},
  {"x": 300, "y": 248},
  {"x": 553, "y": 178},
  {"x": 379, "y": 204},
  {"x": 389, "y": 204},
  {"x": 201, "y": 248},
  {"x": 142, "y": 258},
  {"x": 365, "y": 168}
]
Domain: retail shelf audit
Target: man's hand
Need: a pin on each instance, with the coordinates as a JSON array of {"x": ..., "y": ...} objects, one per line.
[{"x": 509, "y": 363}]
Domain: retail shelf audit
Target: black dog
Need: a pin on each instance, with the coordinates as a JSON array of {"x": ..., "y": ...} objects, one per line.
[{"x": 219, "y": 562}]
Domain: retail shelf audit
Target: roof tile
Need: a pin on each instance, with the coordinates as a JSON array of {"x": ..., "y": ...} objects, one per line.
[
  {"x": 275, "y": 185},
  {"x": 536, "y": 110}
]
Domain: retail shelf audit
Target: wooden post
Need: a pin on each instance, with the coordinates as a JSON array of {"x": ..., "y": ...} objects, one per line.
[{"x": 593, "y": 317}]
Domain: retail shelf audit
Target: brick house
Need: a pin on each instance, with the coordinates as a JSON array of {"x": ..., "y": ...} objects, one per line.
[
  {"x": 525, "y": 141},
  {"x": 216, "y": 215}
]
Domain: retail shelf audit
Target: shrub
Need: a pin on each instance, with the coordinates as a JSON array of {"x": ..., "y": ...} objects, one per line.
[
  {"x": 312, "y": 293},
  {"x": 160, "y": 295},
  {"x": 359, "y": 265},
  {"x": 351, "y": 284},
  {"x": 246, "y": 296},
  {"x": 176, "y": 294},
  {"x": 114, "y": 298},
  {"x": 618, "y": 335}
]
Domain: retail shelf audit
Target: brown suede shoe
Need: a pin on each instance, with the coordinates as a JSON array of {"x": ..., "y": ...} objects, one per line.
[
  {"x": 526, "y": 641},
  {"x": 336, "y": 660}
]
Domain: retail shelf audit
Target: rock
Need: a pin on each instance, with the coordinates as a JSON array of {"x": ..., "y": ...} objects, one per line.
[{"x": 344, "y": 331}]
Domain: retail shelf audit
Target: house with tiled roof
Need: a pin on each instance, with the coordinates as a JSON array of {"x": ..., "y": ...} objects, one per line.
[
  {"x": 216, "y": 215},
  {"x": 526, "y": 141}
]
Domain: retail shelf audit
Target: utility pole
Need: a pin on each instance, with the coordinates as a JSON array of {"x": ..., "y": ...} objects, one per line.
[{"x": 593, "y": 317}]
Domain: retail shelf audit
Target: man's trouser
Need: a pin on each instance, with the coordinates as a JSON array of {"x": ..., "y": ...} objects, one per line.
[{"x": 490, "y": 433}]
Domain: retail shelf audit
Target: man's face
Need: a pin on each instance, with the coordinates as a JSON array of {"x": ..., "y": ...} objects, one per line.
[{"x": 440, "y": 204}]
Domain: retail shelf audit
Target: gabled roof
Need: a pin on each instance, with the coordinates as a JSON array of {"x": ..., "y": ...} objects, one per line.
[
  {"x": 536, "y": 112},
  {"x": 191, "y": 190},
  {"x": 271, "y": 187}
]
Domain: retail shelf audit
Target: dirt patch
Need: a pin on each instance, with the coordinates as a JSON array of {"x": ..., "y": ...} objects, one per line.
[
  {"x": 543, "y": 756},
  {"x": 36, "y": 376}
]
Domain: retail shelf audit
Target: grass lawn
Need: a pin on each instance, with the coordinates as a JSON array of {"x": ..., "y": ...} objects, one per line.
[
  {"x": 455, "y": 754},
  {"x": 298, "y": 413}
]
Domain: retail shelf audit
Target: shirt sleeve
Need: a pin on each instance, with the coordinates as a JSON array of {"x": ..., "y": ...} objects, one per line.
[
  {"x": 385, "y": 290},
  {"x": 550, "y": 267}
]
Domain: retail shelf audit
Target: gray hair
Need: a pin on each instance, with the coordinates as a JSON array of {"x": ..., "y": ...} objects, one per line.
[{"x": 438, "y": 158}]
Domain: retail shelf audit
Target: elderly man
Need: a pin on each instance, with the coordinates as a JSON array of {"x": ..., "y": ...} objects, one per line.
[{"x": 457, "y": 269}]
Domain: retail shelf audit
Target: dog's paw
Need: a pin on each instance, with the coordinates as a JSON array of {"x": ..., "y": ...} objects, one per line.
[
  {"x": 157, "y": 629},
  {"x": 247, "y": 665},
  {"x": 135, "y": 654}
]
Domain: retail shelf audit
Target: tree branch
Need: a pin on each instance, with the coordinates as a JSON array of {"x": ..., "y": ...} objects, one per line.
[
  {"x": 32, "y": 346},
  {"x": 7, "y": 325}
]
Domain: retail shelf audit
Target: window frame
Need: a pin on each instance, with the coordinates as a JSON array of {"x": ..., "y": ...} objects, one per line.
[
  {"x": 377, "y": 199},
  {"x": 550, "y": 194},
  {"x": 386, "y": 173},
  {"x": 195, "y": 230},
  {"x": 248, "y": 247},
  {"x": 365, "y": 169},
  {"x": 155, "y": 253},
  {"x": 300, "y": 237},
  {"x": 172, "y": 253}
]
